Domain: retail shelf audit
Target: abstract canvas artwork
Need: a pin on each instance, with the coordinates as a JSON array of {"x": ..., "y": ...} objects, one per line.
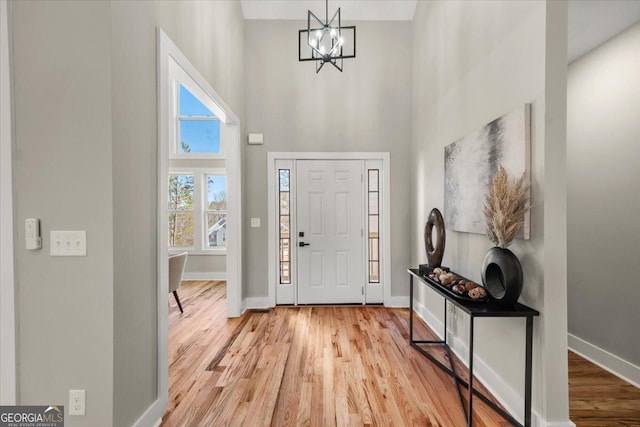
[{"x": 471, "y": 162}]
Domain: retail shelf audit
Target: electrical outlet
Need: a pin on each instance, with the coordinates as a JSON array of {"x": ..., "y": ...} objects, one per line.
[
  {"x": 77, "y": 402},
  {"x": 453, "y": 311}
]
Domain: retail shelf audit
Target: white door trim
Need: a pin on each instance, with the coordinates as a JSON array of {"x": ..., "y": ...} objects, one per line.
[
  {"x": 8, "y": 384},
  {"x": 167, "y": 50},
  {"x": 385, "y": 241}
]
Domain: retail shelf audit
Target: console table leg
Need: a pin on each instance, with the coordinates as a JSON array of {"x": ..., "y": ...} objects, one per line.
[
  {"x": 445, "y": 321},
  {"x": 470, "y": 416},
  {"x": 527, "y": 377},
  {"x": 410, "y": 308}
]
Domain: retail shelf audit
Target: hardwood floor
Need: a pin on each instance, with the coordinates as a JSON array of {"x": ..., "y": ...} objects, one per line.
[
  {"x": 318, "y": 366},
  {"x": 324, "y": 366},
  {"x": 600, "y": 399}
]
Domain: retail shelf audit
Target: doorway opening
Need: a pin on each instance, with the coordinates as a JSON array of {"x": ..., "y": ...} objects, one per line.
[
  {"x": 199, "y": 187},
  {"x": 329, "y": 228}
]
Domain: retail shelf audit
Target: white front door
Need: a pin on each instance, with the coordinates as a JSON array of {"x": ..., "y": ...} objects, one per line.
[{"x": 330, "y": 225}]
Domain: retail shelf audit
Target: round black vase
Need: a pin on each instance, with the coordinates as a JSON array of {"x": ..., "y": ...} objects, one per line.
[{"x": 502, "y": 276}]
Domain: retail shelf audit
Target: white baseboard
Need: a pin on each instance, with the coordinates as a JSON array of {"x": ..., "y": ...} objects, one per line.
[
  {"x": 554, "y": 423},
  {"x": 204, "y": 275},
  {"x": 510, "y": 399},
  {"x": 619, "y": 367},
  {"x": 257, "y": 302},
  {"x": 152, "y": 417},
  {"x": 397, "y": 302}
]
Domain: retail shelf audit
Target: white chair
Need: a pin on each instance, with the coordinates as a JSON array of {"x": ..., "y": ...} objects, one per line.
[{"x": 176, "y": 268}]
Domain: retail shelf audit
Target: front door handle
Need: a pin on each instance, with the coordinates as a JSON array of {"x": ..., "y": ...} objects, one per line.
[{"x": 303, "y": 244}]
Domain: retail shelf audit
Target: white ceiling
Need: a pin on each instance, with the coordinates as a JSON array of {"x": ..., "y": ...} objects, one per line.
[
  {"x": 351, "y": 10},
  {"x": 593, "y": 22}
]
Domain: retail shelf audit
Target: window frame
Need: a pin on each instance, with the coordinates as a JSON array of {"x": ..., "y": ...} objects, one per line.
[
  {"x": 180, "y": 77},
  {"x": 200, "y": 246}
]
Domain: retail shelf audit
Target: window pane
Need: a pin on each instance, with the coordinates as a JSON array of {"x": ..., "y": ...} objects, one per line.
[
  {"x": 373, "y": 226},
  {"x": 374, "y": 254},
  {"x": 284, "y": 273},
  {"x": 284, "y": 179},
  {"x": 373, "y": 180},
  {"x": 374, "y": 272},
  {"x": 199, "y": 136},
  {"x": 216, "y": 229},
  {"x": 191, "y": 106},
  {"x": 284, "y": 203},
  {"x": 180, "y": 192},
  {"x": 181, "y": 230},
  {"x": 284, "y": 226},
  {"x": 217, "y": 192},
  {"x": 284, "y": 250},
  {"x": 373, "y": 203}
]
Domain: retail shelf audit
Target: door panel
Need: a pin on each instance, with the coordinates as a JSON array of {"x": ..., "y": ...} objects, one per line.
[{"x": 330, "y": 214}]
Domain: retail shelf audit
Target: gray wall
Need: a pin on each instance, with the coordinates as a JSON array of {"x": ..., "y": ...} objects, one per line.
[
  {"x": 365, "y": 108},
  {"x": 206, "y": 264},
  {"x": 86, "y": 136},
  {"x": 603, "y": 148},
  {"x": 473, "y": 62},
  {"x": 211, "y": 35},
  {"x": 64, "y": 177}
]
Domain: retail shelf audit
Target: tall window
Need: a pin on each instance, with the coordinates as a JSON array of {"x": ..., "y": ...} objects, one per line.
[
  {"x": 285, "y": 217},
  {"x": 197, "y": 187},
  {"x": 374, "y": 225}
]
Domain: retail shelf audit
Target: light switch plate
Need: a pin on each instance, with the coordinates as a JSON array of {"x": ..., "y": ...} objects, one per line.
[
  {"x": 68, "y": 243},
  {"x": 255, "y": 222}
]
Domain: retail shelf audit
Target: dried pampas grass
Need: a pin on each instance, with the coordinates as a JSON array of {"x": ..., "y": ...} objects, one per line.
[{"x": 504, "y": 207}]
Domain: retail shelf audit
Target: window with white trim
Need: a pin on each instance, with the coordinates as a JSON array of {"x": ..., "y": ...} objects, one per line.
[
  {"x": 197, "y": 210},
  {"x": 197, "y": 123},
  {"x": 197, "y": 188},
  {"x": 198, "y": 129}
]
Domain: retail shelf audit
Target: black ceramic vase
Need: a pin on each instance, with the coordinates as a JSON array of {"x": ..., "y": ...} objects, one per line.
[{"x": 502, "y": 276}]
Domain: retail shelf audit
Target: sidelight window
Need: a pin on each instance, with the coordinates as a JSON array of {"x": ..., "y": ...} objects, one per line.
[
  {"x": 373, "y": 215},
  {"x": 284, "y": 213}
]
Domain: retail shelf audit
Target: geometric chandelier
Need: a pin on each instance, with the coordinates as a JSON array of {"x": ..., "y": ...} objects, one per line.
[{"x": 326, "y": 42}]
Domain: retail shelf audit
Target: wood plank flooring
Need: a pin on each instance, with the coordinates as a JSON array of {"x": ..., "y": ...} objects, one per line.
[
  {"x": 333, "y": 366},
  {"x": 298, "y": 366},
  {"x": 600, "y": 399}
]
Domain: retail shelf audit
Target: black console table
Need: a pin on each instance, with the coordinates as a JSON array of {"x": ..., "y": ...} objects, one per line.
[{"x": 475, "y": 309}]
